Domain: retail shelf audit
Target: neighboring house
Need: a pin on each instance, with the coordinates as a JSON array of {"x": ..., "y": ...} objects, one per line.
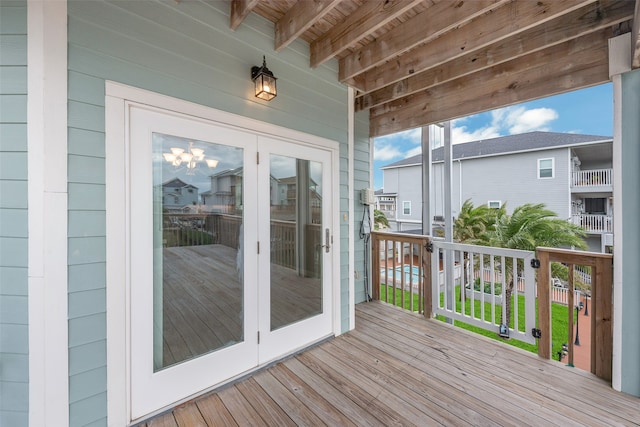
[
  {"x": 176, "y": 194},
  {"x": 225, "y": 194},
  {"x": 570, "y": 173}
]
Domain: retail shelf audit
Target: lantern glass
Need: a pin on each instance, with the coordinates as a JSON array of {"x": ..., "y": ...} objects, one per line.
[{"x": 265, "y": 86}]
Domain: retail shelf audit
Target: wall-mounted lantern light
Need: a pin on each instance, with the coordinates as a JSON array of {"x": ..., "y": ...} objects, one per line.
[{"x": 264, "y": 81}]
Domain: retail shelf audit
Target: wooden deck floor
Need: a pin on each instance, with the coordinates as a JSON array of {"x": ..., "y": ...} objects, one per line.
[{"x": 399, "y": 369}]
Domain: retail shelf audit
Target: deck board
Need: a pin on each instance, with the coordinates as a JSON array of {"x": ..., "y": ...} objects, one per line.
[{"x": 396, "y": 368}]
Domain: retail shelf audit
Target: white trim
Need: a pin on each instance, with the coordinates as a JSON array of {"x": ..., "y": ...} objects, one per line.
[
  {"x": 351, "y": 189},
  {"x": 499, "y": 202},
  {"x": 553, "y": 168},
  {"x": 47, "y": 217},
  {"x": 618, "y": 234},
  {"x": 118, "y": 256},
  {"x": 403, "y": 208}
]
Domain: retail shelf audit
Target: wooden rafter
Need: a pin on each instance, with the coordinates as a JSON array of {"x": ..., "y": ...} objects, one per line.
[
  {"x": 635, "y": 38},
  {"x": 559, "y": 30},
  {"x": 368, "y": 18},
  {"x": 300, "y": 18},
  {"x": 422, "y": 28},
  {"x": 506, "y": 21},
  {"x": 239, "y": 10},
  {"x": 560, "y": 68}
]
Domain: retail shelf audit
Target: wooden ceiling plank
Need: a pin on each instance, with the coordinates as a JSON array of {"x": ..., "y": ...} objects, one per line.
[
  {"x": 548, "y": 57},
  {"x": 506, "y": 21},
  {"x": 367, "y": 19},
  {"x": 635, "y": 38},
  {"x": 575, "y": 24},
  {"x": 239, "y": 11},
  {"x": 302, "y": 16},
  {"x": 568, "y": 66},
  {"x": 422, "y": 28}
]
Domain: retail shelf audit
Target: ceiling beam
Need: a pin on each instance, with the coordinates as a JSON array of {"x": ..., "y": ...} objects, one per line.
[
  {"x": 367, "y": 19},
  {"x": 422, "y": 28},
  {"x": 564, "y": 67},
  {"x": 239, "y": 10},
  {"x": 506, "y": 21},
  {"x": 299, "y": 19},
  {"x": 575, "y": 24},
  {"x": 635, "y": 38}
]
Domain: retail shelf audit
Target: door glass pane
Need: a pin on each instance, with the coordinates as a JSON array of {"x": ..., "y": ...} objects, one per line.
[
  {"x": 296, "y": 239},
  {"x": 198, "y": 276}
]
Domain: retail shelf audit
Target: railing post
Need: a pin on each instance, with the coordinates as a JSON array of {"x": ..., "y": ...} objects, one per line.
[
  {"x": 427, "y": 279},
  {"x": 544, "y": 306},
  {"x": 601, "y": 312}
]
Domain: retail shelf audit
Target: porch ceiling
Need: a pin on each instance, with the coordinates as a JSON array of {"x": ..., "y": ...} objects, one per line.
[{"x": 414, "y": 63}]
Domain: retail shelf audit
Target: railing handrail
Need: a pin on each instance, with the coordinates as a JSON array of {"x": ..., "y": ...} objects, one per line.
[{"x": 592, "y": 177}]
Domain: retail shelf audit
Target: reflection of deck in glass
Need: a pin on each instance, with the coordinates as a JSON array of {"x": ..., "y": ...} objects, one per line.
[{"x": 202, "y": 290}]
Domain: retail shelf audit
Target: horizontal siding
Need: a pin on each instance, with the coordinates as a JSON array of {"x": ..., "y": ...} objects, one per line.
[
  {"x": 14, "y": 358},
  {"x": 184, "y": 50},
  {"x": 361, "y": 166}
]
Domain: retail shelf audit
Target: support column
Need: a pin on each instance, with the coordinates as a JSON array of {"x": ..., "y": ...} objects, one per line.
[{"x": 626, "y": 249}]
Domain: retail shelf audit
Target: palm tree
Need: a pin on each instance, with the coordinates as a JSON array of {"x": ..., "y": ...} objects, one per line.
[
  {"x": 530, "y": 226},
  {"x": 471, "y": 226},
  {"x": 380, "y": 220},
  {"x": 472, "y": 223}
]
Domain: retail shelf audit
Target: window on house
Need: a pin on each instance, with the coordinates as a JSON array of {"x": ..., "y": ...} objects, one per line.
[
  {"x": 406, "y": 208},
  {"x": 545, "y": 168},
  {"x": 494, "y": 204}
]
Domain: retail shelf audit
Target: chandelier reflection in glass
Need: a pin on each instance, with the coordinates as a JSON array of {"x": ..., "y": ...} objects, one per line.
[{"x": 189, "y": 158}]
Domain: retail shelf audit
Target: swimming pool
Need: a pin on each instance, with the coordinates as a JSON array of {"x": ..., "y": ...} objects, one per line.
[{"x": 411, "y": 274}]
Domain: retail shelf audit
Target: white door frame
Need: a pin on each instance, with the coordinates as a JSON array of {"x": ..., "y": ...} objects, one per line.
[{"x": 118, "y": 254}]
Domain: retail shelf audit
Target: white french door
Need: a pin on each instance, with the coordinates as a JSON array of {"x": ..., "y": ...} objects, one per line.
[
  {"x": 295, "y": 188},
  {"x": 230, "y": 258}
]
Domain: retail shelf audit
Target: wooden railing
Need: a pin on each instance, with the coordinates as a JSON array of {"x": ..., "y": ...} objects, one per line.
[
  {"x": 591, "y": 178},
  {"x": 601, "y": 305},
  {"x": 401, "y": 270},
  {"x": 594, "y": 223},
  {"x": 436, "y": 278}
]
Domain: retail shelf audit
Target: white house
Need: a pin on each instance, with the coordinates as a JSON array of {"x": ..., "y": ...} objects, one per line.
[{"x": 571, "y": 174}]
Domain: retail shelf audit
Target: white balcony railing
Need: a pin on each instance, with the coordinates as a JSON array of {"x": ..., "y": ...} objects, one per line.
[
  {"x": 592, "y": 178},
  {"x": 594, "y": 223}
]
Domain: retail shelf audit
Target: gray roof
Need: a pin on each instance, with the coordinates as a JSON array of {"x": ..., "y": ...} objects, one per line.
[{"x": 531, "y": 141}]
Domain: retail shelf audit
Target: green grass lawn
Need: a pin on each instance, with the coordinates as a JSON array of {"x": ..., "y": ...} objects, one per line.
[{"x": 559, "y": 317}]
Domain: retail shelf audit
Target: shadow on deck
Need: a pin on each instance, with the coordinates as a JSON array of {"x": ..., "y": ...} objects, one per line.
[{"x": 397, "y": 368}]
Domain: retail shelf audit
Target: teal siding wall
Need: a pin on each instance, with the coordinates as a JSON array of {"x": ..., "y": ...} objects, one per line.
[
  {"x": 630, "y": 351},
  {"x": 185, "y": 50},
  {"x": 14, "y": 337},
  {"x": 361, "y": 164}
]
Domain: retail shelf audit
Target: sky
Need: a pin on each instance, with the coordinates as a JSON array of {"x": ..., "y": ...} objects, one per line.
[{"x": 586, "y": 111}]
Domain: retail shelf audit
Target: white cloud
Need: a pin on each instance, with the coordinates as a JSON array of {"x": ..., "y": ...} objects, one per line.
[
  {"x": 505, "y": 121},
  {"x": 521, "y": 120},
  {"x": 386, "y": 152},
  {"x": 397, "y": 145},
  {"x": 413, "y": 152},
  {"x": 461, "y": 134}
]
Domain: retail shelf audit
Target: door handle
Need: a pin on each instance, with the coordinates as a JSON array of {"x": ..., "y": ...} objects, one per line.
[{"x": 327, "y": 240}]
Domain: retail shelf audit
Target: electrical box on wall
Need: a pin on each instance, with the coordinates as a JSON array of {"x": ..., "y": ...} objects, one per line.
[{"x": 366, "y": 196}]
